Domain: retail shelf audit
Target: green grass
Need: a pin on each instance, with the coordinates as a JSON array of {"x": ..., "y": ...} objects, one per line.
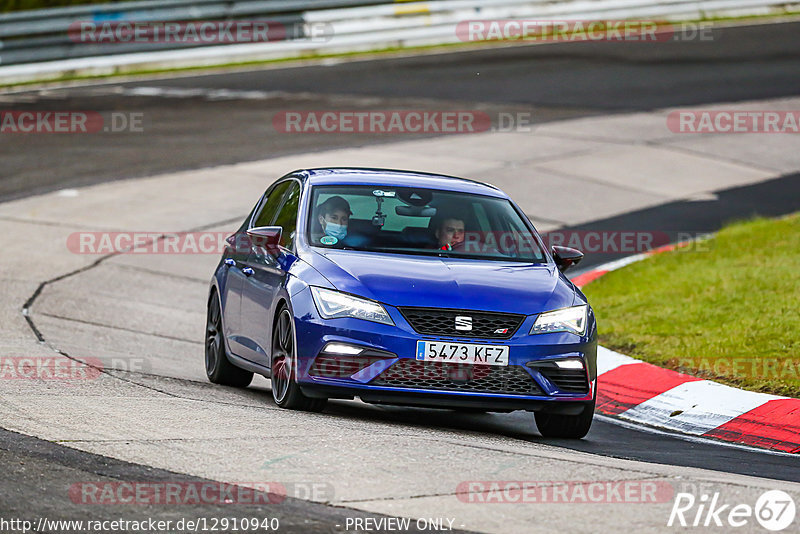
[{"x": 726, "y": 309}]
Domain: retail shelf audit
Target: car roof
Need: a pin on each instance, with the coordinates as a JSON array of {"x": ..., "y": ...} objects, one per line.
[{"x": 396, "y": 178}]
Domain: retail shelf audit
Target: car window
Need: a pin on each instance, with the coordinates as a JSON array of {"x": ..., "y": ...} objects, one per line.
[
  {"x": 287, "y": 216},
  {"x": 425, "y": 221},
  {"x": 270, "y": 207}
]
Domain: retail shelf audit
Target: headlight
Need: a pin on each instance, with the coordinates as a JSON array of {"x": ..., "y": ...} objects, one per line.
[
  {"x": 333, "y": 304},
  {"x": 564, "y": 320}
]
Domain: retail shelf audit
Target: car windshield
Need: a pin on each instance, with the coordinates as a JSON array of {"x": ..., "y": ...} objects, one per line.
[{"x": 407, "y": 220}]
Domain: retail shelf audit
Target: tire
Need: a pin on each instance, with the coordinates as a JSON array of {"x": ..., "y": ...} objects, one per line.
[
  {"x": 565, "y": 426},
  {"x": 285, "y": 391},
  {"x": 219, "y": 369}
]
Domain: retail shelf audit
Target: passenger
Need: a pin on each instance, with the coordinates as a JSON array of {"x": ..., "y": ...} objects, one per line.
[{"x": 333, "y": 216}]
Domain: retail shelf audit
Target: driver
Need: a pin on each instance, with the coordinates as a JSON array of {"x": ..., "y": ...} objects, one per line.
[
  {"x": 334, "y": 215},
  {"x": 450, "y": 232}
]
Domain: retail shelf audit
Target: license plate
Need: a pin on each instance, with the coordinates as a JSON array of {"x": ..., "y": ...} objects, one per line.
[{"x": 437, "y": 351}]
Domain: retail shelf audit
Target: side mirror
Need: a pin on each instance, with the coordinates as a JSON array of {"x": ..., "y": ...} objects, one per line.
[
  {"x": 267, "y": 238},
  {"x": 566, "y": 257}
]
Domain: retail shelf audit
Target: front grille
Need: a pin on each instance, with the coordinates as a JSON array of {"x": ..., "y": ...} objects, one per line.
[
  {"x": 408, "y": 373},
  {"x": 567, "y": 380},
  {"x": 442, "y": 322}
]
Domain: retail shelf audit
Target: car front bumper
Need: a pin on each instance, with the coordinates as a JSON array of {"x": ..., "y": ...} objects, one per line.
[{"x": 389, "y": 348}]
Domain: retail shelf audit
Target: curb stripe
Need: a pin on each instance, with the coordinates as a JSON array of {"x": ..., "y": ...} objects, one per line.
[{"x": 773, "y": 425}]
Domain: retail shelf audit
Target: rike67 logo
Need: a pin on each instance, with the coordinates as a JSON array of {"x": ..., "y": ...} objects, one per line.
[{"x": 774, "y": 510}]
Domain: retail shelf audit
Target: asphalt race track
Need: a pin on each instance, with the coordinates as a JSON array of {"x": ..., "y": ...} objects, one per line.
[{"x": 199, "y": 121}]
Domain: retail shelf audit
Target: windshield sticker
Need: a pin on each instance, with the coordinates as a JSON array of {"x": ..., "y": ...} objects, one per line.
[
  {"x": 328, "y": 240},
  {"x": 379, "y": 193}
]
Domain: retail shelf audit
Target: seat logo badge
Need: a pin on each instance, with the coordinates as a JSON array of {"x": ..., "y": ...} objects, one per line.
[{"x": 463, "y": 322}]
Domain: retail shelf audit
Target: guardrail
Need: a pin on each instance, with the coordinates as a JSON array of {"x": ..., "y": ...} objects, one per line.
[
  {"x": 44, "y": 34},
  {"x": 42, "y": 41}
]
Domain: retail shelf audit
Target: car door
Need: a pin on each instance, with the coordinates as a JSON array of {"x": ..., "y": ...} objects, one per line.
[
  {"x": 232, "y": 302},
  {"x": 239, "y": 272},
  {"x": 264, "y": 279}
]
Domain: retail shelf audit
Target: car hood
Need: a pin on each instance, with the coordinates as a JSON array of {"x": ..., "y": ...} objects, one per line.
[{"x": 407, "y": 280}]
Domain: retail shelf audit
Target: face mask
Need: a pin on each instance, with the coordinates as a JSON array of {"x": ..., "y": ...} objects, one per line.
[{"x": 339, "y": 231}]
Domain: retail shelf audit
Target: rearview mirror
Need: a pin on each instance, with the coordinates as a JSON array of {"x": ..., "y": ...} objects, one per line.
[
  {"x": 415, "y": 211},
  {"x": 265, "y": 237},
  {"x": 566, "y": 257}
]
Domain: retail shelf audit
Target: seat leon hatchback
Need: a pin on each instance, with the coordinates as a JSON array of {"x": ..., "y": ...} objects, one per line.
[{"x": 402, "y": 288}]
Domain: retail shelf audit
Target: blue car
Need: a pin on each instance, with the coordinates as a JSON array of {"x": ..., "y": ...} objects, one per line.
[{"x": 402, "y": 288}]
